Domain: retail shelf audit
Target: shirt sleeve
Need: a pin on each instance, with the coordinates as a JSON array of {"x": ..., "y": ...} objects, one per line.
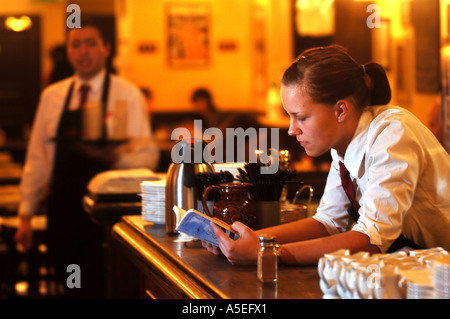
[
  {"x": 332, "y": 210},
  {"x": 392, "y": 164},
  {"x": 39, "y": 160}
]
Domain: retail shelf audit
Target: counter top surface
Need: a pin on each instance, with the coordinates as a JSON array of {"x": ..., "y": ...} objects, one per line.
[{"x": 210, "y": 272}]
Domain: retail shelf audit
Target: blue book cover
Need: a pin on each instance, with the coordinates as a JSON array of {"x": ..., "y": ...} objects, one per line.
[{"x": 198, "y": 225}]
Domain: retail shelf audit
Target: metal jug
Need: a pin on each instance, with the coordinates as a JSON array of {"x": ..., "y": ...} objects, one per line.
[{"x": 180, "y": 181}]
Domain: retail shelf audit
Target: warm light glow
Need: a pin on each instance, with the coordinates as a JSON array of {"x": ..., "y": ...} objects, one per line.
[
  {"x": 399, "y": 14},
  {"x": 444, "y": 9},
  {"x": 18, "y": 24},
  {"x": 273, "y": 102},
  {"x": 273, "y": 96},
  {"x": 262, "y": 2},
  {"x": 315, "y": 17},
  {"x": 21, "y": 288},
  {"x": 445, "y": 51}
]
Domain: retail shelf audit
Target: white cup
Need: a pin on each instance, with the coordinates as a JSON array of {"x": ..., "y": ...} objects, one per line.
[
  {"x": 365, "y": 276},
  {"x": 357, "y": 289},
  {"x": 384, "y": 283},
  {"x": 328, "y": 269},
  {"x": 92, "y": 121},
  {"x": 344, "y": 268}
]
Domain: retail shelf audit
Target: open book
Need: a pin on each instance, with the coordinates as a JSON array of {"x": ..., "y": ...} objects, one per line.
[{"x": 198, "y": 225}]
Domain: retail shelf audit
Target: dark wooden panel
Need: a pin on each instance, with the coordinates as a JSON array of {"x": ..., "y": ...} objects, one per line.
[
  {"x": 352, "y": 31},
  {"x": 427, "y": 45},
  {"x": 20, "y": 76}
]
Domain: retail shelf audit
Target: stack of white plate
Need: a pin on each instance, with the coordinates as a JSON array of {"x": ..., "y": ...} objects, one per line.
[
  {"x": 419, "y": 282},
  {"x": 417, "y": 290},
  {"x": 153, "y": 195},
  {"x": 441, "y": 277}
]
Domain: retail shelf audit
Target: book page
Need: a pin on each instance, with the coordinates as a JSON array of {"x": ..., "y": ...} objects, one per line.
[{"x": 198, "y": 225}]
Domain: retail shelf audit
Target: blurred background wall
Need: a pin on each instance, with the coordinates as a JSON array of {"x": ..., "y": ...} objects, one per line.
[{"x": 239, "y": 48}]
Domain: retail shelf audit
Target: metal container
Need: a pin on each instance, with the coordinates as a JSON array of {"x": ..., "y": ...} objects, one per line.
[{"x": 180, "y": 182}]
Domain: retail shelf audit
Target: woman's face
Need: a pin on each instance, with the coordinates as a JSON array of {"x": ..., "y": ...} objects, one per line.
[{"x": 314, "y": 125}]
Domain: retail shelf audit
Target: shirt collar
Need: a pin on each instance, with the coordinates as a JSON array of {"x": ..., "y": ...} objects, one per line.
[
  {"x": 95, "y": 83},
  {"x": 354, "y": 155}
]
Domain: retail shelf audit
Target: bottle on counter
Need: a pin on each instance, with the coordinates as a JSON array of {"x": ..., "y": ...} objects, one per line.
[{"x": 268, "y": 259}]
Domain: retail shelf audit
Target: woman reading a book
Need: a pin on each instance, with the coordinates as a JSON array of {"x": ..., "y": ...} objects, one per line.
[{"x": 389, "y": 181}]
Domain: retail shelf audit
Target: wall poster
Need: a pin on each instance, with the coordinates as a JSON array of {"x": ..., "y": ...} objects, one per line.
[{"x": 188, "y": 34}]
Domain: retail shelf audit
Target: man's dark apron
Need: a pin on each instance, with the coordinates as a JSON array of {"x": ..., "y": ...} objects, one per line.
[{"x": 71, "y": 235}]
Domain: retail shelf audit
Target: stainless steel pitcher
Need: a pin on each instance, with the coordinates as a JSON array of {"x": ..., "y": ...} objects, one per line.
[{"x": 180, "y": 182}]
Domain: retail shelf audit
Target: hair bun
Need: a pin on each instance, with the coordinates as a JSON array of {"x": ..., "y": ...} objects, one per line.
[{"x": 380, "y": 90}]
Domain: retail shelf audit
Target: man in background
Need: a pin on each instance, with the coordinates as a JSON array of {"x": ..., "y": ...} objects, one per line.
[{"x": 61, "y": 161}]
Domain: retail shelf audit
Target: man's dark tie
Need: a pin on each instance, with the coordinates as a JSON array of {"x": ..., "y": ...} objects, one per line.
[
  {"x": 349, "y": 190},
  {"x": 84, "y": 90}
]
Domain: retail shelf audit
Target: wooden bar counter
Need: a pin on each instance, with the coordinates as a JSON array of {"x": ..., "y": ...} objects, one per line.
[{"x": 149, "y": 263}]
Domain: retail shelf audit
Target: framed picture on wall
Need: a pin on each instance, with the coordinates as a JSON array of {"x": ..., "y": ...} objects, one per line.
[{"x": 188, "y": 34}]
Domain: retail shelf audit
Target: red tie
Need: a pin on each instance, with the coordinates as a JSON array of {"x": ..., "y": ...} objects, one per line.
[
  {"x": 84, "y": 90},
  {"x": 349, "y": 190}
]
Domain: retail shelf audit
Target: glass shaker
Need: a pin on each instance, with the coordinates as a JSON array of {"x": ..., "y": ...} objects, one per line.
[{"x": 268, "y": 259}]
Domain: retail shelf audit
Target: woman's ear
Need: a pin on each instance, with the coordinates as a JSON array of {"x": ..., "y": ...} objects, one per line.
[{"x": 341, "y": 110}]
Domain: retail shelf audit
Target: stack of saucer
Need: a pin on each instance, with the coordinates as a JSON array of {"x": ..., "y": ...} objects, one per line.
[
  {"x": 441, "y": 277},
  {"x": 153, "y": 195},
  {"x": 420, "y": 289}
]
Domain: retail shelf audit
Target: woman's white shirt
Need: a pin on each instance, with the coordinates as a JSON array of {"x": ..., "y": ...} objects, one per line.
[{"x": 401, "y": 174}]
